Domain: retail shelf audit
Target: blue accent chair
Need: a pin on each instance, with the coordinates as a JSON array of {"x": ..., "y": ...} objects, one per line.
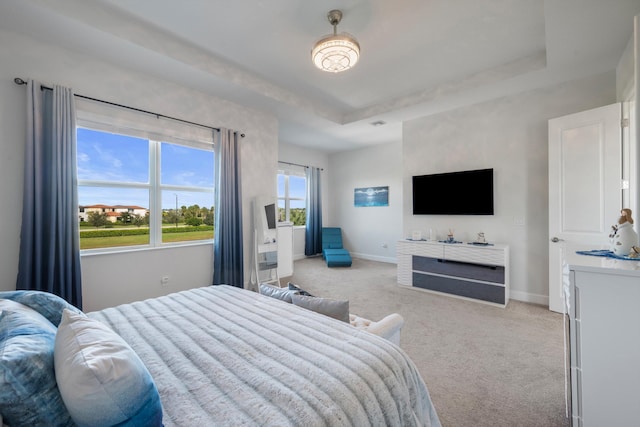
[{"x": 332, "y": 250}]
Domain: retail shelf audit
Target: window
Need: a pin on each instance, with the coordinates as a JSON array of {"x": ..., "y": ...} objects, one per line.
[
  {"x": 137, "y": 191},
  {"x": 292, "y": 190}
]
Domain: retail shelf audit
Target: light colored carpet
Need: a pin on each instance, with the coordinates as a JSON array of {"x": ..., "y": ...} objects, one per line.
[{"x": 483, "y": 365}]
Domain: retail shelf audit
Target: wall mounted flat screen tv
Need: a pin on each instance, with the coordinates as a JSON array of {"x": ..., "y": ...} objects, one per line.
[{"x": 454, "y": 193}]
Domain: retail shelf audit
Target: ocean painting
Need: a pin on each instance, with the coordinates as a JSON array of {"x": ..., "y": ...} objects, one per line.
[{"x": 371, "y": 196}]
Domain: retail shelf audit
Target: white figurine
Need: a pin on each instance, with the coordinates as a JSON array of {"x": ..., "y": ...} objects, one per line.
[
  {"x": 623, "y": 237},
  {"x": 481, "y": 238}
]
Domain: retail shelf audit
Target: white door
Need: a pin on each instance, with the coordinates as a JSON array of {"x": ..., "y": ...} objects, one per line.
[{"x": 585, "y": 191}]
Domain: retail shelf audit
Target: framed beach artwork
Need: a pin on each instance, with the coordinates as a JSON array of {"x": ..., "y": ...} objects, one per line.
[{"x": 371, "y": 196}]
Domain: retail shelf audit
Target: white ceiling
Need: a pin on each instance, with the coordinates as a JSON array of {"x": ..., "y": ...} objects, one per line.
[{"x": 418, "y": 57}]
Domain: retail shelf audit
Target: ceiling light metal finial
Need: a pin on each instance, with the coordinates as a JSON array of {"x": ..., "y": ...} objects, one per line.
[
  {"x": 334, "y": 16},
  {"x": 335, "y": 52}
]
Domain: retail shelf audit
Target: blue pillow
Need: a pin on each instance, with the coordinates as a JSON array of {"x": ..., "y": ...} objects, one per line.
[
  {"x": 101, "y": 379},
  {"x": 45, "y": 303},
  {"x": 29, "y": 395}
]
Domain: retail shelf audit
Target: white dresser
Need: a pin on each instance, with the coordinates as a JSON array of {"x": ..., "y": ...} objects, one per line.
[
  {"x": 602, "y": 297},
  {"x": 476, "y": 272}
]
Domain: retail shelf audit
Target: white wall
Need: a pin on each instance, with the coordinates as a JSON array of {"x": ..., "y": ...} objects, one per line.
[
  {"x": 510, "y": 136},
  {"x": 307, "y": 157},
  {"x": 366, "y": 230},
  {"x": 625, "y": 73},
  {"x": 116, "y": 278}
]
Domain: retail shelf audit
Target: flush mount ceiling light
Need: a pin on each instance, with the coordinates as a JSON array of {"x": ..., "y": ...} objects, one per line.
[{"x": 335, "y": 52}]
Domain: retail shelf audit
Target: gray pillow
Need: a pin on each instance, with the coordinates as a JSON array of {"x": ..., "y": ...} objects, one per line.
[
  {"x": 338, "y": 309},
  {"x": 283, "y": 294}
]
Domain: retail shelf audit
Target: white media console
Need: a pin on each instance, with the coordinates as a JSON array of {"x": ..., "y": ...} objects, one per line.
[{"x": 475, "y": 272}]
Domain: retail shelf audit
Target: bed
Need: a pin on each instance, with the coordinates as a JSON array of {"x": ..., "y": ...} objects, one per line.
[{"x": 221, "y": 355}]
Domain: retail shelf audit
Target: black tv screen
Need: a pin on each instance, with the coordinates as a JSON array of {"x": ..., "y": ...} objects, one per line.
[
  {"x": 270, "y": 212},
  {"x": 454, "y": 193}
]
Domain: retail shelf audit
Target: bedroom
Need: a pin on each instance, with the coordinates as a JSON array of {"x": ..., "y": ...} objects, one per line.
[
  {"x": 387, "y": 164},
  {"x": 519, "y": 122}
]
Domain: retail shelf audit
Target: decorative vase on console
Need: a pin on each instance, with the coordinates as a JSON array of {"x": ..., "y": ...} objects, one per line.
[
  {"x": 450, "y": 237},
  {"x": 623, "y": 237}
]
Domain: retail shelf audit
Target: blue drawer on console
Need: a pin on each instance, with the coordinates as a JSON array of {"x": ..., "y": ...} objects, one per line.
[
  {"x": 485, "y": 273},
  {"x": 475, "y": 290}
]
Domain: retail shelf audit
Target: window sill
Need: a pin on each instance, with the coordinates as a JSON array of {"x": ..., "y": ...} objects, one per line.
[{"x": 131, "y": 249}]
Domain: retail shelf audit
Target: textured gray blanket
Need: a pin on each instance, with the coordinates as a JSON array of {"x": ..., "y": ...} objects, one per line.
[{"x": 225, "y": 356}]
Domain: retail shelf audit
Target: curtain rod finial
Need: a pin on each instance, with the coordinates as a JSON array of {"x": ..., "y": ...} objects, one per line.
[{"x": 19, "y": 81}]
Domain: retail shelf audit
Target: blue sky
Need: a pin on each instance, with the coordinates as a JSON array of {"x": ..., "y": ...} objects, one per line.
[
  {"x": 111, "y": 157},
  {"x": 297, "y": 189}
]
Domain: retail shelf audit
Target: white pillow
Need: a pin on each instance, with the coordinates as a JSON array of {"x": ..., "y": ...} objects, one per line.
[{"x": 101, "y": 379}]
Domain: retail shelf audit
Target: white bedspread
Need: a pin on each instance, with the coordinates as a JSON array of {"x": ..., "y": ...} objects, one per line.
[{"x": 225, "y": 356}]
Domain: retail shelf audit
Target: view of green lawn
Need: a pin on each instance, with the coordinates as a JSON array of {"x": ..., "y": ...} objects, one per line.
[{"x": 113, "y": 241}]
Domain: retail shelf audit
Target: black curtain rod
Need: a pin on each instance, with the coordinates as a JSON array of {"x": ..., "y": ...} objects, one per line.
[
  {"x": 20, "y": 81},
  {"x": 296, "y": 164}
]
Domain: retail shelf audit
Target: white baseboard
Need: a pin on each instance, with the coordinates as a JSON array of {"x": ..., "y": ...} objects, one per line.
[
  {"x": 528, "y": 297},
  {"x": 374, "y": 258}
]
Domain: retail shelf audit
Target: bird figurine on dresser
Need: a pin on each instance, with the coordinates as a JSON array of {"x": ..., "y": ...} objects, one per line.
[{"x": 623, "y": 236}]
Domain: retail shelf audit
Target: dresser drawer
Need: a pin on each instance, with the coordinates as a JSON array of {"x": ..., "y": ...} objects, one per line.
[
  {"x": 459, "y": 287},
  {"x": 465, "y": 270},
  {"x": 478, "y": 255},
  {"x": 421, "y": 248}
]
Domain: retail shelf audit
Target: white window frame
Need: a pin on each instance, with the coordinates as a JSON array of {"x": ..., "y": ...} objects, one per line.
[
  {"x": 110, "y": 119},
  {"x": 287, "y": 198}
]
